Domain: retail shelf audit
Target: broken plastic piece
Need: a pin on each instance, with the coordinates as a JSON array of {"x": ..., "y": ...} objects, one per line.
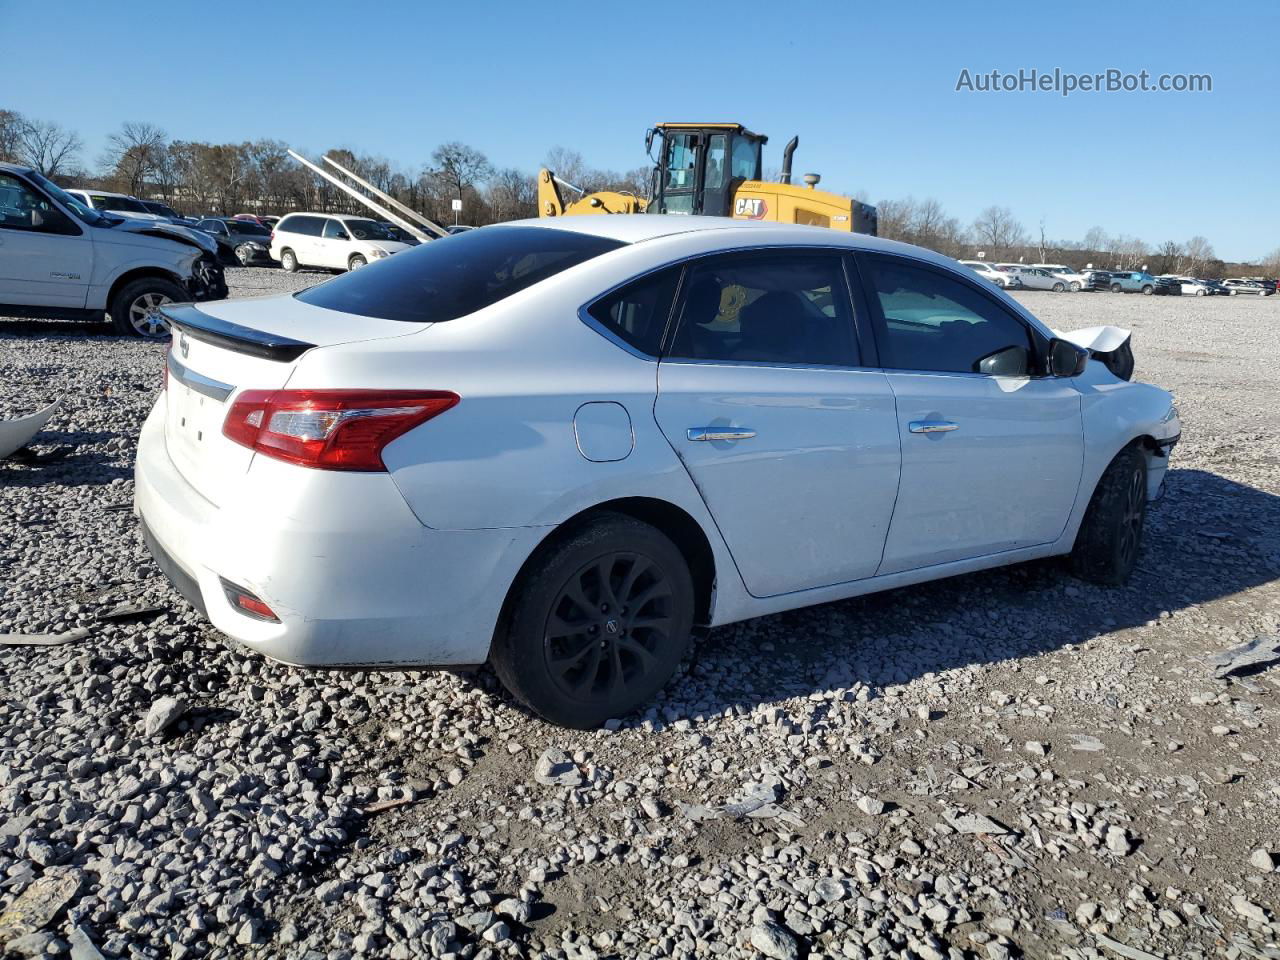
[
  {"x": 42, "y": 639},
  {"x": 16, "y": 434},
  {"x": 1259, "y": 651}
]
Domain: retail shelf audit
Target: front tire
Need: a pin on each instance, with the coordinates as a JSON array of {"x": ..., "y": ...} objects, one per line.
[
  {"x": 597, "y": 623},
  {"x": 288, "y": 261},
  {"x": 1148, "y": 290},
  {"x": 1199, "y": 293},
  {"x": 1116, "y": 288},
  {"x": 356, "y": 262},
  {"x": 135, "y": 309},
  {"x": 244, "y": 255},
  {"x": 1059, "y": 287},
  {"x": 1075, "y": 286},
  {"x": 1107, "y": 545}
]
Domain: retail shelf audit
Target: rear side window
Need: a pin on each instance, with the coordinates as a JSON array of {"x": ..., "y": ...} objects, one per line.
[
  {"x": 457, "y": 275},
  {"x": 775, "y": 308},
  {"x": 637, "y": 314},
  {"x": 307, "y": 226}
]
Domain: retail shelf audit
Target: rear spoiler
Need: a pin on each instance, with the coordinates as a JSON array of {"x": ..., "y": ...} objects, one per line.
[{"x": 187, "y": 321}]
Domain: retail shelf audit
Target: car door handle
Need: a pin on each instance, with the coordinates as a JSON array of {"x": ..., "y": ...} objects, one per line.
[
  {"x": 933, "y": 426},
  {"x": 720, "y": 433}
]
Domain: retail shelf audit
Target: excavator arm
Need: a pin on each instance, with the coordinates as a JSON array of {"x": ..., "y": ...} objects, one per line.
[{"x": 551, "y": 202}]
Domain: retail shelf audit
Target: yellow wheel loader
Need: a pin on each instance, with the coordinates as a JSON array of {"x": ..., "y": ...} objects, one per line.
[{"x": 715, "y": 169}]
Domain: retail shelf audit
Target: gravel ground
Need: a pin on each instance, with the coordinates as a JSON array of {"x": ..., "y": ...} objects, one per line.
[{"x": 1007, "y": 764}]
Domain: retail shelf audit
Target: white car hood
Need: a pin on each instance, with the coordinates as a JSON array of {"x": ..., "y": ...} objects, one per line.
[
  {"x": 1098, "y": 339},
  {"x": 170, "y": 231}
]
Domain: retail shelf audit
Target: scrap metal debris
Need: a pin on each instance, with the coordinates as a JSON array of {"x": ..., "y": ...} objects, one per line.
[
  {"x": 1257, "y": 652},
  {"x": 127, "y": 612},
  {"x": 42, "y": 639},
  {"x": 758, "y": 801},
  {"x": 16, "y": 434}
]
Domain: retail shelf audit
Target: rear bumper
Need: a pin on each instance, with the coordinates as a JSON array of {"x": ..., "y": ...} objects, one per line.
[{"x": 352, "y": 575}]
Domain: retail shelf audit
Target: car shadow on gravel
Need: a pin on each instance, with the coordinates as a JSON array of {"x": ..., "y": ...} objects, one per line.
[
  {"x": 73, "y": 470},
  {"x": 1209, "y": 538}
]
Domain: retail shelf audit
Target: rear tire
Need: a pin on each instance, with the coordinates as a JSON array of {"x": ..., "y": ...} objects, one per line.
[
  {"x": 288, "y": 261},
  {"x": 134, "y": 308},
  {"x": 1107, "y": 545},
  {"x": 597, "y": 623}
]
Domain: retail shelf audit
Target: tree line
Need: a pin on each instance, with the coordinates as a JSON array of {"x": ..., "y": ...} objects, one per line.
[{"x": 259, "y": 176}]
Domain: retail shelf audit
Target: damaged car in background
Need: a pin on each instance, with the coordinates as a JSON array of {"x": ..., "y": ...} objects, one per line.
[
  {"x": 64, "y": 260},
  {"x": 562, "y": 445}
]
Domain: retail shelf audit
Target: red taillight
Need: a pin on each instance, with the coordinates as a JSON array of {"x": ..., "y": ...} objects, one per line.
[
  {"x": 273, "y": 236},
  {"x": 330, "y": 429},
  {"x": 247, "y": 603}
]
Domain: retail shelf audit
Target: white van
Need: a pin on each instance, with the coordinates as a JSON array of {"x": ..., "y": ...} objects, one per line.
[{"x": 333, "y": 241}]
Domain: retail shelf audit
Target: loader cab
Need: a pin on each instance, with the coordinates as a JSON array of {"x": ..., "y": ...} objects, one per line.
[{"x": 698, "y": 166}]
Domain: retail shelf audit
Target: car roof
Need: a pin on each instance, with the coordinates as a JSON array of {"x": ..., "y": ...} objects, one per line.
[
  {"x": 15, "y": 168},
  {"x": 102, "y": 193},
  {"x": 636, "y": 228}
]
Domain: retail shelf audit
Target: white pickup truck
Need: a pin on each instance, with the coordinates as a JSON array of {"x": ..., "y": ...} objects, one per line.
[{"x": 60, "y": 259}]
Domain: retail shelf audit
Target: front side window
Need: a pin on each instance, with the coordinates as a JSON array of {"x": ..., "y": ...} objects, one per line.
[
  {"x": 774, "y": 308},
  {"x": 127, "y": 204},
  {"x": 441, "y": 281},
  {"x": 936, "y": 322},
  {"x": 333, "y": 230},
  {"x": 247, "y": 228},
  {"x": 637, "y": 313},
  {"x": 21, "y": 208},
  {"x": 680, "y": 161}
]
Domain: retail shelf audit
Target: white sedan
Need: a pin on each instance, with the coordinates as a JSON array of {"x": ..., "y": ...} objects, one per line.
[{"x": 560, "y": 445}]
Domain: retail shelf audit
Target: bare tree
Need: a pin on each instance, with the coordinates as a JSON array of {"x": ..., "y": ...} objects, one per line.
[
  {"x": 997, "y": 229},
  {"x": 134, "y": 154},
  {"x": 1043, "y": 246},
  {"x": 895, "y": 218},
  {"x": 512, "y": 194},
  {"x": 460, "y": 167},
  {"x": 1271, "y": 263},
  {"x": 1199, "y": 253},
  {"x": 1169, "y": 257},
  {"x": 1129, "y": 252},
  {"x": 11, "y": 124},
  {"x": 47, "y": 147},
  {"x": 566, "y": 164}
]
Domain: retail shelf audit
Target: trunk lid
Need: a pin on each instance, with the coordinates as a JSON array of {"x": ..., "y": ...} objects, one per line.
[{"x": 221, "y": 348}]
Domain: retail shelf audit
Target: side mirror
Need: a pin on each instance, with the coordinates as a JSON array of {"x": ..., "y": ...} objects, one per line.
[
  {"x": 1009, "y": 362},
  {"x": 1066, "y": 359}
]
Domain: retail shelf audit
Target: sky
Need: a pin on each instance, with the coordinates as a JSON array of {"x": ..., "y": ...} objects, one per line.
[{"x": 870, "y": 88}]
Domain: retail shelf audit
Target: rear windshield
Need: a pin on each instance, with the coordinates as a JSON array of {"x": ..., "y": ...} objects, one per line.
[
  {"x": 457, "y": 275},
  {"x": 248, "y": 228}
]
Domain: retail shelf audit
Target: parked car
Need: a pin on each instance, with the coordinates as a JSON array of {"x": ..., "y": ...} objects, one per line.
[
  {"x": 62, "y": 259},
  {"x": 1096, "y": 279},
  {"x": 1237, "y": 286},
  {"x": 499, "y": 448},
  {"x": 121, "y": 204},
  {"x": 167, "y": 212},
  {"x": 245, "y": 242},
  {"x": 1191, "y": 287},
  {"x": 1074, "y": 279},
  {"x": 1168, "y": 287},
  {"x": 1034, "y": 278},
  {"x": 1001, "y": 278},
  {"x": 1216, "y": 288},
  {"x": 1133, "y": 281},
  {"x": 333, "y": 241}
]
